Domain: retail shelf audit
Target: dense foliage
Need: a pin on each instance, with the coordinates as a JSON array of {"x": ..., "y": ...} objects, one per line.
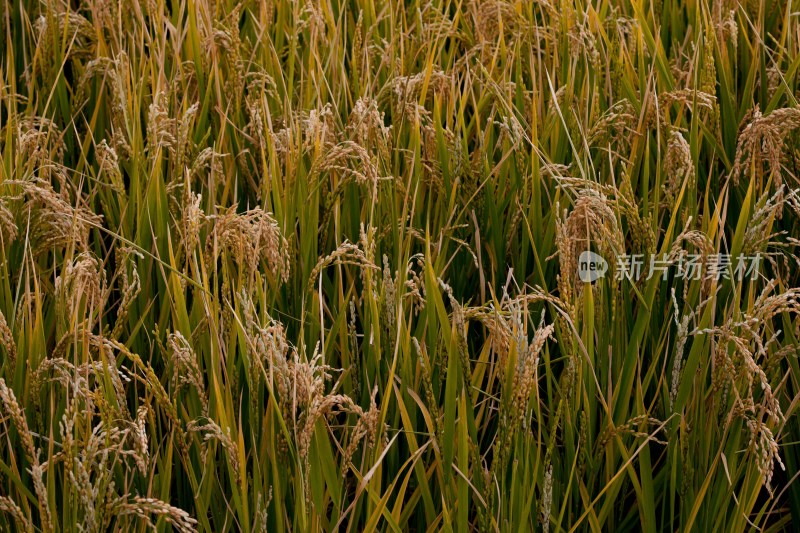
[{"x": 317, "y": 266}]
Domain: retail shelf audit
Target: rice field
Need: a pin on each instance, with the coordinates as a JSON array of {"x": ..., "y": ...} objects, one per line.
[{"x": 349, "y": 265}]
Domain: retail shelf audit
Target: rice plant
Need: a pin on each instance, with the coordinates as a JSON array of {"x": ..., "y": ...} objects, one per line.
[{"x": 347, "y": 265}]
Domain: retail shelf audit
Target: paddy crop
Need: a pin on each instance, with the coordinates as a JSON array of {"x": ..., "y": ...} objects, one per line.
[{"x": 463, "y": 265}]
